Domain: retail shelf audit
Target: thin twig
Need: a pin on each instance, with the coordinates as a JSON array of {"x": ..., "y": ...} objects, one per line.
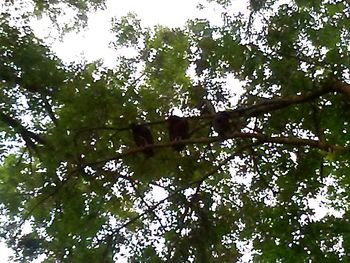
[
  {"x": 138, "y": 194},
  {"x": 40, "y": 202},
  {"x": 198, "y": 181},
  {"x": 257, "y": 169}
]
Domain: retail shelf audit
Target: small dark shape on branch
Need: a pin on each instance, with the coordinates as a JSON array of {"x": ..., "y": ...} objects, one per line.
[
  {"x": 237, "y": 123},
  {"x": 221, "y": 123},
  {"x": 32, "y": 87},
  {"x": 178, "y": 130},
  {"x": 143, "y": 137}
]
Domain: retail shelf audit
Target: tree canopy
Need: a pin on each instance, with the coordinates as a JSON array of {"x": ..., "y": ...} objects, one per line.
[{"x": 76, "y": 187}]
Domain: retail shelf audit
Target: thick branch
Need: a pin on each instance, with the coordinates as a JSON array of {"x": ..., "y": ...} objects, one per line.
[
  {"x": 19, "y": 128},
  {"x": 342, "y": 87},
  {"x": 258, "y": 136},
  {"x": 264, "y": 106},
  {"x": 269, "y": 105}
]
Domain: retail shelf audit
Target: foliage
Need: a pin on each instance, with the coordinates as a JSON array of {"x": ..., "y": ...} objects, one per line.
[
  {"x": 65, "y": 15},
  {"x": 71, "y": 171}
]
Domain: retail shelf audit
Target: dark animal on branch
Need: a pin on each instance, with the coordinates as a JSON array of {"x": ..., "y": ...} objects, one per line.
[
  {"x": 32, "y": 87},
  {"x": 237, "y": 122},
  {"x": 221, "y": 123},
  {"x": 178, "y": 130},
  {"x": 143, "y": 138},
  {"x": 225, "y": 122}
]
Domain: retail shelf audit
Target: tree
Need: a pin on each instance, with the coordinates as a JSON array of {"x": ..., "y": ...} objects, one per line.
[{"x": 71, "y": 171}]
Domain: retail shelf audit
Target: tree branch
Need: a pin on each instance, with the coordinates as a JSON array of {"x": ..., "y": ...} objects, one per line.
[
  {"x": 19, "y": 128},
  {"x": 285, "y": 140},
  {"x": 49, "y": 110},
  {"x": 264, "y": 106},
  {"x": 269, "y": 105},
  {"x": 341, "y": 87}
]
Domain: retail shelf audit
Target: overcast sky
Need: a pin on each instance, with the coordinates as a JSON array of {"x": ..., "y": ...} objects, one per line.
[{"x": 93, "y": 43}]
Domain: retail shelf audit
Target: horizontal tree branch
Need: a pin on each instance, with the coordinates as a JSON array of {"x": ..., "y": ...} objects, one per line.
[
  {"x": 284, "y": 140},
  {"x": 261, "y": 107},
  {"x": 269, "y": 105}
]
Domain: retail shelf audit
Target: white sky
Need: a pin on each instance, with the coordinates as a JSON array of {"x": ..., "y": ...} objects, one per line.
[{"x": 93, "y": 43}]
